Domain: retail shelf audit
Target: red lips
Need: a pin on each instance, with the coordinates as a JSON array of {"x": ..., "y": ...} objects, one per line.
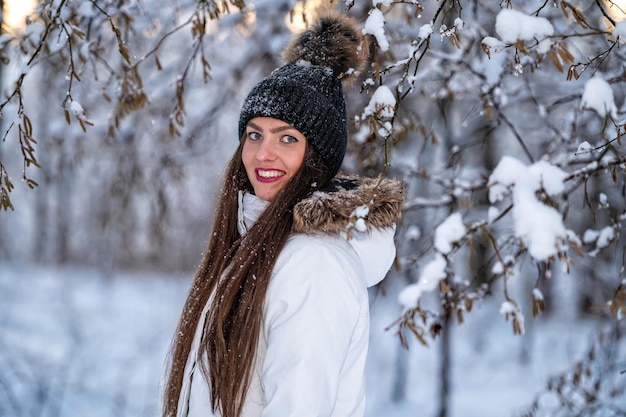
[{"x": 276, "y": 174}]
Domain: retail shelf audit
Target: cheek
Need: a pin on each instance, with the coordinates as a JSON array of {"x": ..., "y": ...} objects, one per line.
[
  {"x": 297, "y": 160},
  {"x": 247, "y": 157}
]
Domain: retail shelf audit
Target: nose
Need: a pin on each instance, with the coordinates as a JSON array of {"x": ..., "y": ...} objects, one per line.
[{"x": 266, "y": 151}]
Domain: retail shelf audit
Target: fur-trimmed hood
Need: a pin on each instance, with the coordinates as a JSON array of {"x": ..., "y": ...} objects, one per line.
[
  {"x": 345, "y": 205},
  {"x": 350, "y": 204},
  {"x": 362, "y": 212}
]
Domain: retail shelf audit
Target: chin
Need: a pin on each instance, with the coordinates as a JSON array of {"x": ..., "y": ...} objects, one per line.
[{"x": 265, "y": 195}]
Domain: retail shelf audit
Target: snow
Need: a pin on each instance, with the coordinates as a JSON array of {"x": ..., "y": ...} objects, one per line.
[
  {"x": 382, "y": 103},
  {"x": 606, "y": 236},
  {"x": 425, "y": 31},
  {"x": 512, "y": 25},
  {"x": 375, "y": 25},
  {"x": 360, "y": 225},
  {"x": 76, "y": 107},
  {"x": 88, "y": 345},
  {"x": 413, "y": 232},
  {"x": 603, "y": 199},
  {"x": 584, "y": 147},
  {"x": 492, "y": 213},
  {"x": 362, "y": 134},
  {"x": 590, "y": 236},
  {"x": 508, "y": 308},
  {"x": 362, "y": 211},
  {"x": 430, "y": 276},
  {"x": 503, "y": 177},
  {"x": 450, "y": 231},
  {"x": 548, "y": 177},
  {"x": 512, "y": 312},
  {"x": 361, "y": 214},
  {"x": 538, "y": 225},
  {"x": 493, "y": 45},
  {"x": 598, "y": 96}
]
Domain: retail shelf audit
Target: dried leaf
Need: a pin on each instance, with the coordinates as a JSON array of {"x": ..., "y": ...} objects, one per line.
[
  {"x": 521, "y": 47},
  {"x": 120, "y": 43},
  {"x": 538, "y": 306},
  {"x": 418, "y": 334},
  {"x": 564, "y": 53},
  {"x": 422, "y": 130},
  {"x": 580, "y": 18},
  {"x": 486, "y": 50},
  {"x": 564, "y": 9},
  {"x": 157, "y": 62},
  {"x": 578, "y": 249},
  {"x": 488, "y": 111},
  {"x": 78, "y": 32},
  {"x": 5, "y": 200},
  {"x": 455, "y": 41},
  {"x": 555, "y": 60},
  {"x": 403, "y": 341},
  {"x": 435, "y": 329},
  {"x": 618, "y": 302},
  {"x": 31, "y": 183},
  {"x": 240, "y": 4},
  {"x": 28, "y": 126}
]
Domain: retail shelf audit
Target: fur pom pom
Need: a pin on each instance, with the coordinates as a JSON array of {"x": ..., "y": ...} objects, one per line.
[{"x": 333, "y": 40}]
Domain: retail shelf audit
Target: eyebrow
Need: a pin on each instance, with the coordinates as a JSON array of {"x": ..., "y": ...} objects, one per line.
[{"x": 274, "y": 130}]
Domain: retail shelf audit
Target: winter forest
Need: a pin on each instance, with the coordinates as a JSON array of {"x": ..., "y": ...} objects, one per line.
[{"x": 504, "y": 119}]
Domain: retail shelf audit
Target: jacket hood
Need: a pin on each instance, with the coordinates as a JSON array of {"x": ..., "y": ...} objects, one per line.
[
  {"x": 365, "y": 211},
  {"x": 349, "y": 205},
  {"x": 362, "y": 210}
]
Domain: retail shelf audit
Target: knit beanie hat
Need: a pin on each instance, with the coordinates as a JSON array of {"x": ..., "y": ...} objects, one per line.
[{"x": 307, "y": 92}]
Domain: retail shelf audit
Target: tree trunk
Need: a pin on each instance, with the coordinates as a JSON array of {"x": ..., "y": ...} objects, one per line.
[
  {"x": 42, "y": 203},
  {"x": 445, "y": 365}
]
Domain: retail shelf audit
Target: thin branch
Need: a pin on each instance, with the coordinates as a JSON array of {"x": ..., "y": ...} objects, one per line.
[{"x": 518, "y": 137}]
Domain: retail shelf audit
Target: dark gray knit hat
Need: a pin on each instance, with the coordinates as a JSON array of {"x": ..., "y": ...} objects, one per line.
[{"x": 307, "y": 92}]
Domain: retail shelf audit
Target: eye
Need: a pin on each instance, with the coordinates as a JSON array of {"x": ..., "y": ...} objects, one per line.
[
  {"x": 288, "y": 139},
  {"x": 254, "y": 136}
]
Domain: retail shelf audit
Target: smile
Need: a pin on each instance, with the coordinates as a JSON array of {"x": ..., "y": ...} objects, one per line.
[{"x": 268, "y": 175}]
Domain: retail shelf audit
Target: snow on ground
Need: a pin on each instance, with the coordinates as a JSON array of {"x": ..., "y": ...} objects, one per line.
[{"x": 74, "y": 342}]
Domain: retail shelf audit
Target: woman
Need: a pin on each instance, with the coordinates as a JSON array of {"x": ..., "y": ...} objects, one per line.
[{"x": 276, "y": 322}]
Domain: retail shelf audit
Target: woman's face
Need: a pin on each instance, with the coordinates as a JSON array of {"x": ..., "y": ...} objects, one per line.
[{"x": 273, "y": 151}]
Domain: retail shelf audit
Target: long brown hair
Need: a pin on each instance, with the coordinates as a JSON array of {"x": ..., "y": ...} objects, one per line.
[{"x": 235, "y": 272}]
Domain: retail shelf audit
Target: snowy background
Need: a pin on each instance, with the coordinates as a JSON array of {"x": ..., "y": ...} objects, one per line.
[{"x": 75, "y": 342}]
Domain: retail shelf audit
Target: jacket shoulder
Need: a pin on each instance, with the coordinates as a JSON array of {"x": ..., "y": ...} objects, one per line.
[{"x": 318, "y": 255}]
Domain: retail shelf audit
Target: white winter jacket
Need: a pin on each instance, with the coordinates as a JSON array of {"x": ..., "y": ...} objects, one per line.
[{"x": 311, "y": 354}]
